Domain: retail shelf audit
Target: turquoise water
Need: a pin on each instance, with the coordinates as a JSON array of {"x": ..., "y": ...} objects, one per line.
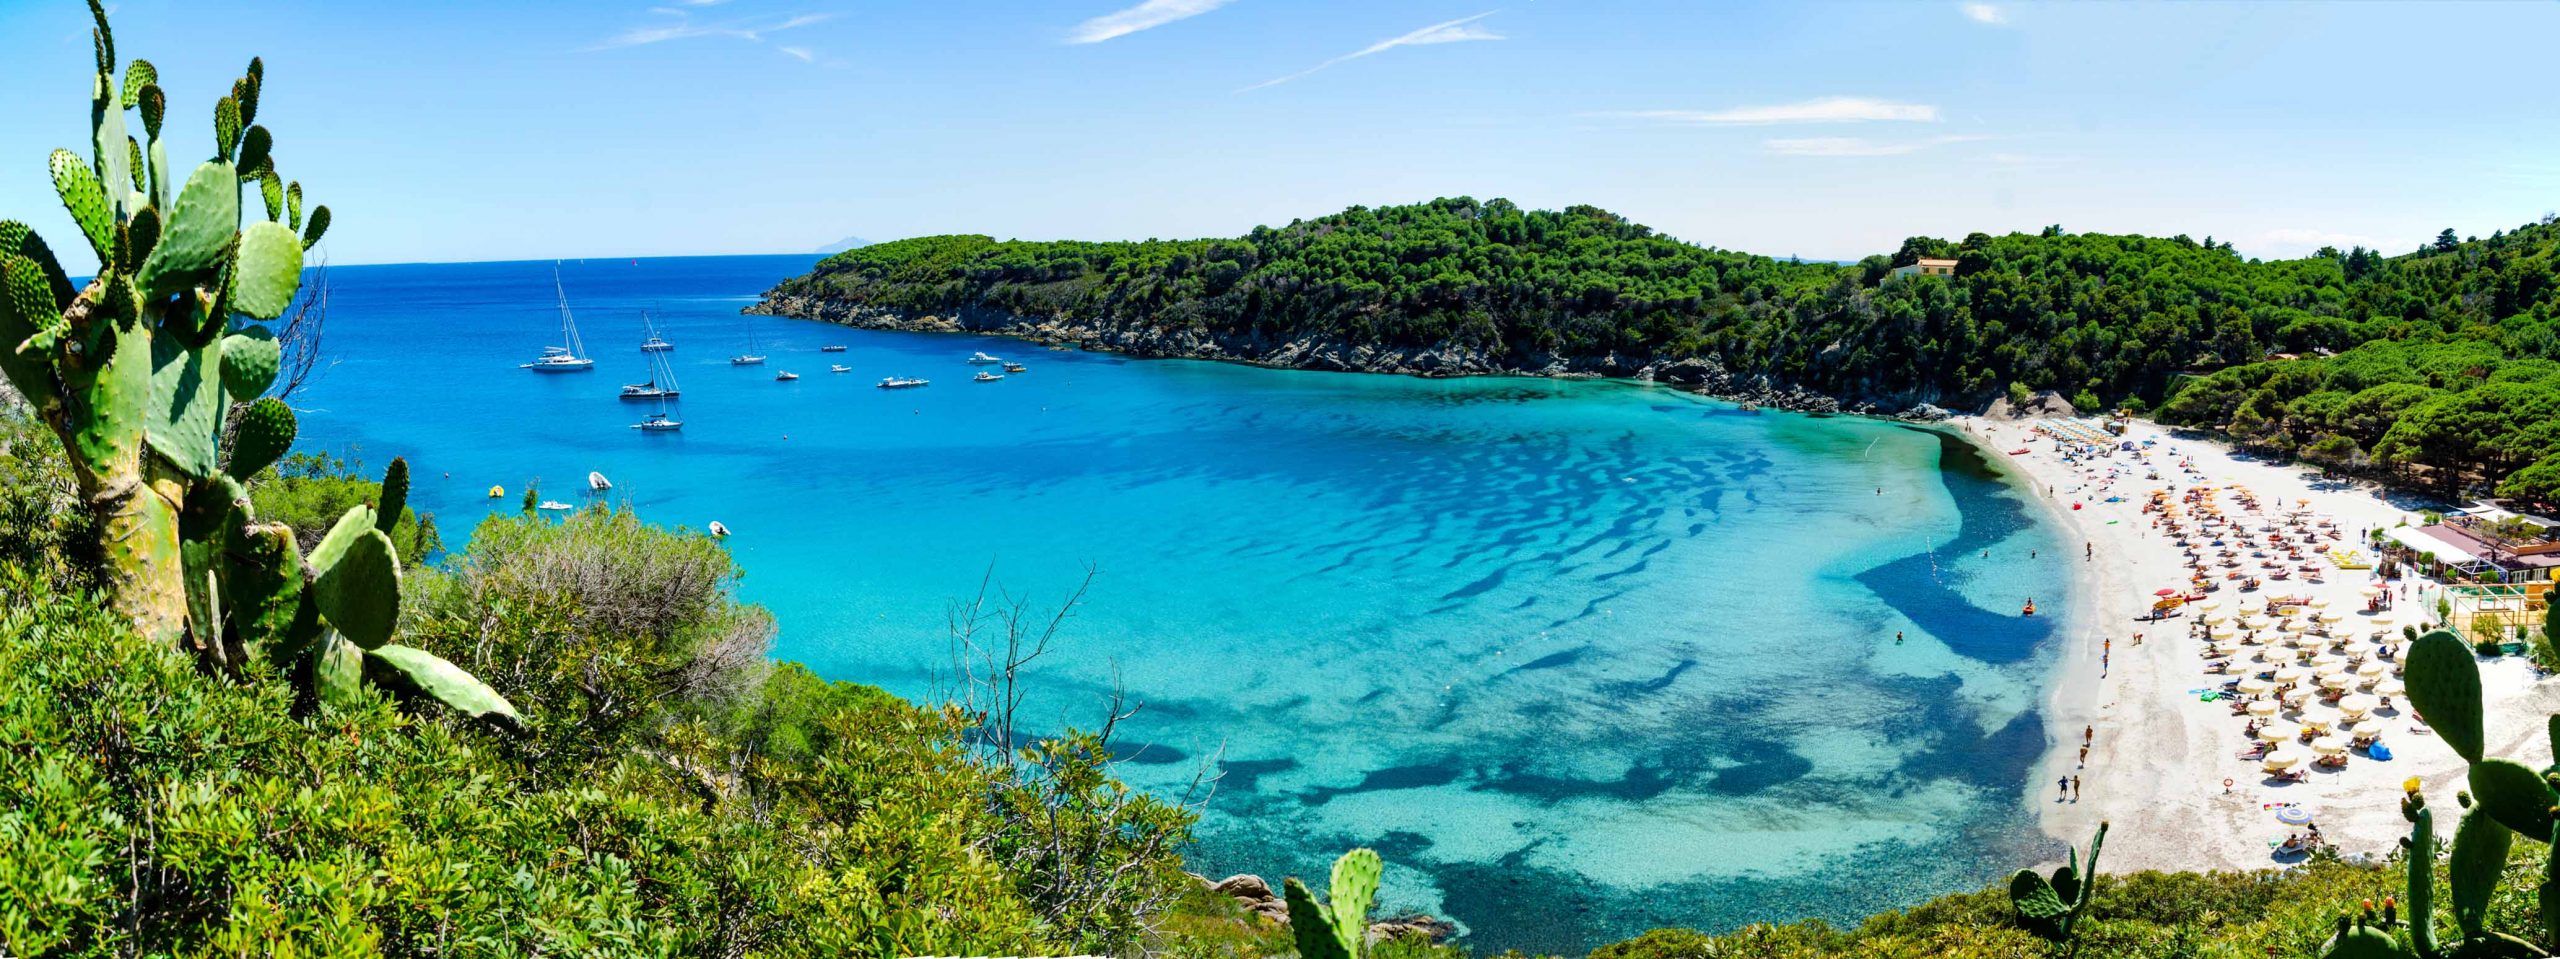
[{"x": 1579, "y": 658}]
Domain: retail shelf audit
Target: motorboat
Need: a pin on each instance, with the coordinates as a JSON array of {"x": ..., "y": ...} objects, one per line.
[
  {"x": 785, "y": 376},
  {"x": 658, "y": 423},
  {"x": 839, "y": 368},
  {"x": 982, "y": 359},
  {"x": 553, "y": 504},
  {"x": 832, "y": 348},
  {"x": 895, "y": 383},
  {"x": 1016, "y": 368},
  {"x": 988, "y": 377},
  {"x": 717, "y": 529},
  {"x": 596, "y": 483},
  {"x": 570, "y": 356}
]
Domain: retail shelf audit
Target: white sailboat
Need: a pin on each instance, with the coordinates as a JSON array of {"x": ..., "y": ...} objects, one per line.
[
  {"x": 661, "y": 384},
  {"x": 571, "y": 355},
  {"x": 750, "y": 357},
  {"x": 654, "y": 344}
]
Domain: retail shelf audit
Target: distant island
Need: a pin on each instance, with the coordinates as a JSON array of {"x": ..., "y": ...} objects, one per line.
[
  {"x": 2353, "y": 359},
  {"x": 848, "y": 243}
]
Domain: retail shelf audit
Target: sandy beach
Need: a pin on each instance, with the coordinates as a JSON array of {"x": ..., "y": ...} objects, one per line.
[{"x": 2161, "y": 755}]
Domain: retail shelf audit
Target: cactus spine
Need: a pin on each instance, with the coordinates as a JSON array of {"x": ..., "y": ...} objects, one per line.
[
  {"x": 136, "y": 373},
  {"x": 2051, "y": 908},
  {"x": 1339, "y": 927}
]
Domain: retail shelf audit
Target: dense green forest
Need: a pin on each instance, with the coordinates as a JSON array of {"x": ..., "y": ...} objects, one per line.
[{"x": 2442, "y": 356}]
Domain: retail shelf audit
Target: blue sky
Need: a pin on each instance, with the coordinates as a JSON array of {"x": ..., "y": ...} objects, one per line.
[{"x": 482, "y": 130}]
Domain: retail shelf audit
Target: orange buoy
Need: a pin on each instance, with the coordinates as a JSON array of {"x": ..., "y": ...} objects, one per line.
[{"x": 2030, "y": 610}]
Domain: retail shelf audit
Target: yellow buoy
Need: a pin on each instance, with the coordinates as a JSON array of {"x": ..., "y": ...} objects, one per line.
[{"x": 497, "y": 491}]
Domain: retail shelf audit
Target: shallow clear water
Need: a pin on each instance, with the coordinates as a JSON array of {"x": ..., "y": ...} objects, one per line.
[{"x": 1580, "y": 658}]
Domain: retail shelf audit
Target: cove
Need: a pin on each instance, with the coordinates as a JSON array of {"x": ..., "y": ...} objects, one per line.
[{"x": 1581, "y": 658}]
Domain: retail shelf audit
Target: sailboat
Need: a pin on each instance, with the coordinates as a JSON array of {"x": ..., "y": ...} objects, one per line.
[
  {"x": 661, "y": 384},
  {"x": 653, "y": 344},
  {"x": 571, "y": 356},
  {"x": 750, "y": 357}
]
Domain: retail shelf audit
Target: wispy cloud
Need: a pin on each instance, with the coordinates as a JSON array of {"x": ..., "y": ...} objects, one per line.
[
  {"x": 1144, "y": 16},
  {"x": 1461, "y": 30},
  {"x": 686, "y": 28},
  {"x": 1985, "y": 13},
  {"x": 1858, "y": 146},
  {"x": 1825, "y": 110},
  {"x": 801, "y": 52}
]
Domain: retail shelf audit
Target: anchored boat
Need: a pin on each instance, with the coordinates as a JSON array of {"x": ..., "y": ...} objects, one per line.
[{"x": 570, "y": 357}]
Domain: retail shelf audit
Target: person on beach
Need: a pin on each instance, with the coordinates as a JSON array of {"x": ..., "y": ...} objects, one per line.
[
  {"x": 2084, "y": 757},
  {"x": 2088, "y": 734},
  {"x": 1897, "y": 637},
  {"x": 2062, "y": 788},
  {"x": 2075, "y": 789}
]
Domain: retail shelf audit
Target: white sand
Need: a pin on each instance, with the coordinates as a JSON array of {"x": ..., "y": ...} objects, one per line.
[{"x": 2157, "y": 768}]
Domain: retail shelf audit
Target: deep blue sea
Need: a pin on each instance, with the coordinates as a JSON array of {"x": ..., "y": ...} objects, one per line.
[{"x": 1580, "y": 658}]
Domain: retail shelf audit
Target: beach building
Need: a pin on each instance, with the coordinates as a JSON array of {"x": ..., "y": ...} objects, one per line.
[{"x": 1928, "y": 266}]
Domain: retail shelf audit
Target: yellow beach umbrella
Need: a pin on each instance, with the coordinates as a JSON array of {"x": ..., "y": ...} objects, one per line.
[
  {"x": 2319, "y": 602},
  {"x": 2278, "y": 732},
  {"x": 2319, "y": 718},
  {"x": 2337, "y": 681},
  {"x": 2391, "y": 687},
  {"x": 2330, "y": 745},
  {"x": 2292, "y": 674},
  {"x": 2358, "y": 704},
  {"x": 2281, "y": 760},
  {"x": 2253, "y": 686}
]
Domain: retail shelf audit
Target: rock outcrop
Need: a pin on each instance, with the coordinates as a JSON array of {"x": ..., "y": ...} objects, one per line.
[{"x": 1257, "y": 897}]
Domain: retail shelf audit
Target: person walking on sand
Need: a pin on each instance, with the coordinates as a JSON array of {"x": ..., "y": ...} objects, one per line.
[
  {"x": 2084, "y": 757},
  {"x": 2075, "y": 789},
  {"x": 2063, "y": 787},
  {"x": 2088, "y": 734}
]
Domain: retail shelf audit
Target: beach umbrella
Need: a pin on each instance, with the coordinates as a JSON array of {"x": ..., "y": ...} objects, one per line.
[
  {"x": 2319, "y": 718},
  {"x": 2221, "y": 633},
  {"x": 2326, "y": 670},
  {"x": 2278, "y": 732},
  {"x": 2253, "y": 686},
  {"x": 2391, "y": 687},
  {"x": 2295, "y": 626},
  {"x": 2262, "y": 707},
  {"x": 2293, "y": 815},
  {"x": 2330, "y": 745},
  {"x": 2164, "y": 592},
  {"x": 2319, "y": 602},
  {"x": 2254, "y": 622},
  {"x": 2358, "y": 704},
  {"x": 2336, "y": 681},
  {"x": 2281, "y": 760},
  {"x": 2215, "y": 619},
  {"x": 2292, "y": 674},
  {"x": 2362, "y": 648},
  {"x": 2373, "y": 668},
  {"x": 2371, "y": 591},
  {"x": 2331, "y": 616},
  {"x": 2207, "y": 604}
]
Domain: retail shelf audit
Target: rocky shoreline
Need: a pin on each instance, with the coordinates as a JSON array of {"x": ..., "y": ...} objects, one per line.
[{"x": 1695, "y": 374}]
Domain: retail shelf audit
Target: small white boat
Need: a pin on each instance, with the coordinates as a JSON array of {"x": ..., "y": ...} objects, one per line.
[
  {"x": 717, "y": 529},
  {"x": 832, "y": 348},
  {"x": 570, "y": 356},
  {"x": 658, "y": 423},
  {"x": 894, "y": 383},
  {"x": 982, "y": 359},
  {"x": 839, "y": 368},
  {"x": 785, "y": 376},
  {"x": 553, "y": 504},
  {"x": 1016, "y": 368},
  {"x": 654, "y": 344},
  {"x": 596, "y": 483},
  {"x": 750, "y": 357},
  {"x": 661, "y": 384},
  {"x": 988, "y": 377}
]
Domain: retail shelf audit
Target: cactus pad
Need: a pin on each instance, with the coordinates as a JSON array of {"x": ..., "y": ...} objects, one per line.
[
  {"x": 293, "y": 204},
  {"x": 268, "y": 271},
  {"x": 250, "y": 359},
  {"x": 226, "y": 127},
  {"x": 263, "y": 587},
  {"x": 417, "y": 670},
  {"x": 2515, "y": 796},
  {"x": 395, "y": 495},
  {"x": 245, "y": 92},
  {"x": 137, "y": 75},
  {"x": 197, "y": 235},
  {"x": 108, "y": 418},
  {"x": 1355, "y": 887},
  {"x": 337, "y": 667},
  {"x": 271, "y": 190},
  {"x": 265, "y": 433},
  {"x": 254, "y": 147},
  {"x": 1310, "y": 924},
  {"x": 133, "y": 163},
  {"x": 2444, "y": 685},
  {"x": 143, "y": 232},
  {"x": 2479, "y": 853},
  {"x": 86, "y": 199},
  {"x": 25, "y": 307},
  {"x": 359, "y": 593},
  {"x": 2360, "y": 941},
  {"x": 319, "y": 224},
  {"x": 155, "y": 108},
  {"x": 325, "y": 553},
  {"x": 20, "y": 239},
  {"x": 186, "y": 405}
]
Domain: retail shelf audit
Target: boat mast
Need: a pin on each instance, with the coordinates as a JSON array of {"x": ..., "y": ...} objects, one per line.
[{"x": 568, "y": 326}]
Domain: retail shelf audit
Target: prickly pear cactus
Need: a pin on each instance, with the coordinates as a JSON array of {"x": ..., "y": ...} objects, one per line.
[
  {"x": 137, "y": 373},
  {"x": 1338, "y": 929},
  {"x": 2049, "y": 907}
]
